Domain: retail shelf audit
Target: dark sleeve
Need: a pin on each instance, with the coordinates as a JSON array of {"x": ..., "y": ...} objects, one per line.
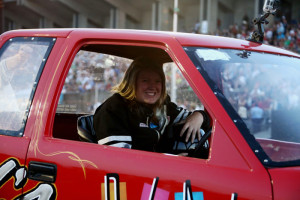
[
  {"x": 206, "y": 120},
  {"x": 111, "y": 124},
  {"x": 175, "y": 112}
]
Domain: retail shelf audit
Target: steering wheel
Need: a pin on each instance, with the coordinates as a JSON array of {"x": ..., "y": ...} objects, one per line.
[
  {"x": 197, "y": 149},
  {"x": 202, "y": 148}
]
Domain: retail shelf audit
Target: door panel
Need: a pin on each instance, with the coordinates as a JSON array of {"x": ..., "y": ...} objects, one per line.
[
  {"x": 285, "y": 182},
  {"x": 83, "y": 167}
]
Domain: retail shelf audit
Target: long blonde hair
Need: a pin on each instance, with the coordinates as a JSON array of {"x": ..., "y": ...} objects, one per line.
[{"x": 127, "y": 87}]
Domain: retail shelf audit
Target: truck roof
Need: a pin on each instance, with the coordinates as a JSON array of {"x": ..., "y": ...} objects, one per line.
[{"x": 185, "y": 39}]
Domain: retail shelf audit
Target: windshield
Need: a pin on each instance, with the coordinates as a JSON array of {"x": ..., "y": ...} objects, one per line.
[{"x": 262, "y": 94}]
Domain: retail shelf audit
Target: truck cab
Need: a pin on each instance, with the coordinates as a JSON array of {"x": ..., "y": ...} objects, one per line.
[{"x": 49, "y": 78}]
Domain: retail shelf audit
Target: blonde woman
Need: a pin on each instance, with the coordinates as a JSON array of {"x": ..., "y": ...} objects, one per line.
[{"x": 139, "y": 115}]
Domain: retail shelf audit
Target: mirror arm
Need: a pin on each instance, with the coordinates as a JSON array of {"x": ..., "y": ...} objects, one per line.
[{"x": 258, "y": 35}]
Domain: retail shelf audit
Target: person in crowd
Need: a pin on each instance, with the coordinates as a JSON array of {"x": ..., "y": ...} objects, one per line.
[
  {"x": 257, "y": 114},
  {"x": 140, "y": 115}
]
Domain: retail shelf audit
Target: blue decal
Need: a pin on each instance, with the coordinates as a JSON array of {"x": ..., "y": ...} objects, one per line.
[
  {"x": 153, "y": 125},
  {"x": 196, "y": 195}
]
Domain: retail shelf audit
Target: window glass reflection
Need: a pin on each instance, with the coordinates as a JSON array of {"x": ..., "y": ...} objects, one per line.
[
  {"x": 20, "y": 63},
  {"x": 262, "y": 89}
]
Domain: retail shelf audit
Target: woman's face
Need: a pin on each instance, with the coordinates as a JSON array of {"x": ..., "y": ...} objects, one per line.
[{"x": 148, "y": 87}]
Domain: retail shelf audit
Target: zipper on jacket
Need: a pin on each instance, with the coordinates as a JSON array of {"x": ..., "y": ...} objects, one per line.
[{"x": 148, "y": 124}]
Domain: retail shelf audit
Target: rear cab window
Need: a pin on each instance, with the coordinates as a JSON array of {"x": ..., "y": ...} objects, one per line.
[{"x": 21, "y": 63}]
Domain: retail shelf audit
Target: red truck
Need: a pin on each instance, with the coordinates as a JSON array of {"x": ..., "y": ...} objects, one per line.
[{"x": 49, "y": 78}]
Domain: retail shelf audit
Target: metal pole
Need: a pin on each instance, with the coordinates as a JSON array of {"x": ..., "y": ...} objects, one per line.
[
  {"x": 175, "y": 15},
  {"x": 173, "y": 72},
  {"x": 201, "y": 9},
  {"x": 208, "y": 15},
  {"x": 1, "y": 16},
  {"x": 256, "y": 8}
]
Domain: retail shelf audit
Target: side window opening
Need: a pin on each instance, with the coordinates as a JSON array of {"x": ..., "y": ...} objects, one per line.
[
  {"x": 89, "y": 81},
  {"x": 87, "y": 85},
  {"x": 91, "y": 78},
  {"x": 184, "y": 95}
]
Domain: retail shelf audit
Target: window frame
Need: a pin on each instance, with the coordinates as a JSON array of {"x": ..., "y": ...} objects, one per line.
[
  {"x": 34, "y": 41},
  {"x": 83, "y": 44}
]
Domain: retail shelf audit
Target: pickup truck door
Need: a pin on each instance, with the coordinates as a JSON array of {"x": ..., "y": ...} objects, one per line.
[
  {"x": 62, "y": 167},
  {"x": 85, "y": 169}
]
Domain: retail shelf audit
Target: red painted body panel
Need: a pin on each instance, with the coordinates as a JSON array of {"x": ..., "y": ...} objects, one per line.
[
  {"x": 12, "y": 149},
  {"x": 285, "y": 182},
  {"x": 81, "y": 167}
]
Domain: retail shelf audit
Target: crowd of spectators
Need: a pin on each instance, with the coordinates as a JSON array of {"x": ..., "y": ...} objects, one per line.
[
  {"x": 282, "y": 33},
  {"x": 91, "y": 72},
  {"x": 89, "y": 68},
  {"x": 256, "y": 92},
  {"x": 253, "y": 100}
]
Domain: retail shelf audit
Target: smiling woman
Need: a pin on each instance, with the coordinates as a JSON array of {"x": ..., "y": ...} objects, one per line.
[
  {"x": 140, "y": 114},
  {"x": 149, "y": 86}
]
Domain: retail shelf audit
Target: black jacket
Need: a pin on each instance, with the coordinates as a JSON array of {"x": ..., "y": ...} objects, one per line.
[{"x": 116, "y": 125}]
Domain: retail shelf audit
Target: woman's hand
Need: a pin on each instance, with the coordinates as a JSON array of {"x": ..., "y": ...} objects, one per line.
[{"x": 192, "y": 125}]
